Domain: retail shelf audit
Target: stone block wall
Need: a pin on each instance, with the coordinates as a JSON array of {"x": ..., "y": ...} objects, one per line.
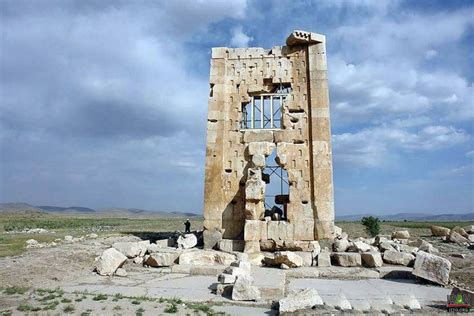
[{"x": 235, "y": 157}]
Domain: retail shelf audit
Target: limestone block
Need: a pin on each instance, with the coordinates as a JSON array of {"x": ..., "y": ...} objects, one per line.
[
  {"x": 423, "y": 245},
  {"x": 386, "y": 246},
  {"x": 267, "y": 245},
  {"x": 299, "y": 299},
  {"x": 244, "y": 290},
  {"x": 340, "y": 245},
  {"x": 285, "y": 230},
  {"x": 258, "y": 136},
  {"x": 337, "y": 231},
  {"x": 206, "y": 257},
  {"x": 230, "y": 245},
  {"x": 359, "y": 246},
  {"x": 165, "y": 259},
  {"x": 254, "y": 210},
  {"x": 346, "y": 259},
  {"x": 256, "y": 258},
  {"x": 224, "y": 290},
  {"x": 432, "y": 267},
  {"x": 400, "y": 258},
  {"x": 324, "y": 259},
  {"x": 254, "y": 190},
  {"x": 129, "y": 249},
  {"x": 469, "y": 229},
  {"x": 371, "y": 259},
  {"x": 309, "y": 258},
  {"x": 460, "y": 231},
  {"x": 303, "y": 230},
  {"x": 110, "y": 260},
  {"x": 401, "y": 234},
  {"x": 261, "y": 148},
  {"x": 457, "y": 238},
  {"x": 258, "y": 161},
  {"x": 252, "y": 230},
  {"x": 252, "y": 246},
  {"x": 242, "y": 264},
  {"x": 439, "y": 231},
  {"x": 226, "y": 278},
  {"x": 272, "y": 230},
  {"x": 289, "y": 258},
  {"x": 235, "y": 271}
]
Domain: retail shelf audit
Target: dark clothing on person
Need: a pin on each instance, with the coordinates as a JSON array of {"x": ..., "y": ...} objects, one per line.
[{"x": 187, "y": 227}]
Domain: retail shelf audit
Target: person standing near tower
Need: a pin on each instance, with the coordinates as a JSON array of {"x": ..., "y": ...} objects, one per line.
[{"x": 187, "y": 226}]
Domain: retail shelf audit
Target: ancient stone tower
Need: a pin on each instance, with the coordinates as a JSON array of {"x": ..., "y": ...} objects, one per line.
[{"x": 268, "y": 179}]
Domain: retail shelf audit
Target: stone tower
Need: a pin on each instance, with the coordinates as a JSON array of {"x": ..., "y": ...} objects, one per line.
[{"x": 268, "y": 126}]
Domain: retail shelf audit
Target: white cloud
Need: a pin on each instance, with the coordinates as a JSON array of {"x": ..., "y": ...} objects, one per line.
[
  {"x": 431, "y": 54},
  {"x": 239, "y": 38},
  {"x": 373, "y": 147}
]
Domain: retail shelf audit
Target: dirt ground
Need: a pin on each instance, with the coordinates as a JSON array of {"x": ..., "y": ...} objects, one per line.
[{"x": 27, "y": 280}]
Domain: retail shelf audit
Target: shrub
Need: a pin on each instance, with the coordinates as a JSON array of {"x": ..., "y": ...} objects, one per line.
[{"x": 372, "y": 225}]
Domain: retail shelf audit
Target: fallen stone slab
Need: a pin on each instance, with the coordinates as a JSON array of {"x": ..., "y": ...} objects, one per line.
[
  {"x": 400, "y": 258},
  {"x": 431, "y": 267},
  {"x": 242, "y": 264},
  {"x": 460, "y": 231},
  {"x": 129, "y": 249},
  {"x": 224, "y": 290},
  {"x": 299, "y": 299},
  {"x": 386, "y": 246},
  {"x": 289, "y": 258},
  {"x": 243, "y": 289},
  {"x": 324, "y": 259},
  {"x": 469, "y": 229},
  {"x": 439, "y": 231},
  {"x": 457, "y": 238},
  {"x": 236, "y": 271},
  {"x": 226, "y": 278},
  {"x": 160, "y": 259},
  {"x": 121, "y": 272},
  {"x": 187, "y": 241},
  {"x": 110, "y": 260},
  {"x": 347, "y": 259},
  {"x": 206, "y": 257},
  {"x": 423, "y": 245},
  {"x": 340, "y": 245},
  {"x": 371, "y": 259},
  {"x": 359, "y": 246},
  {"x": 401, "y": 234}
]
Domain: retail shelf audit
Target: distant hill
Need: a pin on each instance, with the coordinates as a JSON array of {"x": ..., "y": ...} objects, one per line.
[
  {"x": 115, "y": 211},
  {"x": 421, "y": 217}
]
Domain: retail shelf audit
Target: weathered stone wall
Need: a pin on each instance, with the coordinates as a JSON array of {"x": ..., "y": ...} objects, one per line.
[{"x": 234, "y": 190}]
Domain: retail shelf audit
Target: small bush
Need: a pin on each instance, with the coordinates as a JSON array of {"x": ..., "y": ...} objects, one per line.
[
  {"x": 100, "y": 297},
  {"x": 171, "y": 309},
  {"x": 139, "y": 311},
  {"x": 15, "y": 290},
  {"x": 372, "y": 225},
  {"x": 66, "y": 300},
  {"x": 24, "y": 307},
  {"x": 68, "y": 309}
]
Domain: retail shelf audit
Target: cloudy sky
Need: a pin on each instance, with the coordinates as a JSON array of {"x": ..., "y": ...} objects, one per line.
[{"x": 104, "y": 103}]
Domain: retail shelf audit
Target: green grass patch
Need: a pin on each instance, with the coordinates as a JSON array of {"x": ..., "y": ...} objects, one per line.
[
  {"x": 66, "y": 300},
  {"x": 428, "y": 224},
  {"x": 50, "y": 305},
  {"x": 100, "y": 297},
  {"x": 171, "y": 309},
  {"x": 136, "y": 302},
  {"x": 68, "y": 309},
  {"x": 140, "y": 311},
  {"x": 12, "y": 290},
  {"x": 24, "y": 307}
]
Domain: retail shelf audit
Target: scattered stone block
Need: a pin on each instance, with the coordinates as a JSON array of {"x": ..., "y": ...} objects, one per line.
[
  {"x": 460, "y": 231},
  {"x": 206, "y": 257},
  {"x": 224, "y": 290},
  {"x": 423, "y": 245},
  {"x": 386, "y": 246},
  {"x": 401, "y": 234},
  {"x": 299, "y": 299},
  {"x": 243, "y": 289},
  {"x": 346, "y": 259},
  {"x": 241, "y": 264},
  {"x": 457, "y": 238},
  {"x": 110, "y": 260},
  {"x": 439, "y": 231},
  {"x": 324, "y": 259},
  {"x": 162, "y": 259},
  {"x": 400, "y": 258},
  {"x": 68, "y": 238},
  {"x": 469, "y": 229},
  {"x": 337, "y": 231},
  {"x": 129, "y": 249},
  {"x": 308, "y": 258},
  {"x": 340, "y": 245},
  {"x": 371, "y": 259},
  {"x": 32, "y": 243},
  {"x": 289, "y": 258},
  {"x": 235, "y": 271},
  {"x": 256, "y": 259},
  {"x": 359, "y": 246},
  {"x": 431, "y": 267},
  {"x": 226, "y": 278},
  {"x": 284, "y": 266}
]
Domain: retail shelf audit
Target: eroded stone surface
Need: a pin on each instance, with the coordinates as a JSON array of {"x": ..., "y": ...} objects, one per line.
[
  {"x": 110, "y": 260},
  {"x": 299, "y": 299},
  {"x": 431, "y": 267}
]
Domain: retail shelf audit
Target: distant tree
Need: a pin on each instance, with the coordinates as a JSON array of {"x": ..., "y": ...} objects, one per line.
[{"x": 372, "y": 225}]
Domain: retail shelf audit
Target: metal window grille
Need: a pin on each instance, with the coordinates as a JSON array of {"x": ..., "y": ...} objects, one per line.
[{"x": 263, "y": 111}]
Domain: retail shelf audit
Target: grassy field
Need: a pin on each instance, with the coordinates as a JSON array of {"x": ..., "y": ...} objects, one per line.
[{"x": 12, "y": 242}]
